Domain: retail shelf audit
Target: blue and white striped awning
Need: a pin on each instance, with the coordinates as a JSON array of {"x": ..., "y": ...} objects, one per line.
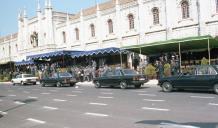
[
  {"x": 30, "y": 62},
  {"x": 111, "y": 50},
  {"x": 51, "y": 54}
]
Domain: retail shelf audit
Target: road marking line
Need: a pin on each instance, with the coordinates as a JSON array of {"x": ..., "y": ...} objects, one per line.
[
  {"x": 153, "y": 100},
  {"x": 32, "y": 97},
  {"x": 107, "y": 93},
  {"x": 71, "y": 95},
  {"x": 0, "y": 100},
  {"x": 36, "y": 121},
  {"x": 101, "y": 104},
  {"x": 202, "y": 97},
  {"x": 96, "y": 114},
  {"x": 20, "y": 103},
  {"x": 178, "y": 125},
  {"x": 105, "y": 97},
  {"x": 156, "y": 109},
  {"x": 26, "y": 92},
  {"x": 12, "y": 95},
  {"x": 77, "y": 91},
  {"x": 10, "y": 90},
  {"x": 213, "y": 104},
  {"x": 53, "y": 90},
  {"x": 51, "y": 108},
  {"x": 3, "y": 113},
  {"x": 45, "y": 93},
  {"x": 147, "y": 95},
  {"x": 59, "y": 100},
  {"x": 140, "y": 91}
]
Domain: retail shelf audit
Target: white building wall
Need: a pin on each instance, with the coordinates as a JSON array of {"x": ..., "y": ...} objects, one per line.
[{"x": 50, "y": 26}]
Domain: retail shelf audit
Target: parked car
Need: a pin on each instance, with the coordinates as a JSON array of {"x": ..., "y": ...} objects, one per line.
[
  {"x": 204, "y": 77},
  {"x": 24, "y": 79},
  {"x": 59, "y": 79},
  {"x": 122, "y": 78}
]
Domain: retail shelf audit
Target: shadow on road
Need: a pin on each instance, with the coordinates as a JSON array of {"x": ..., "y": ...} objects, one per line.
[{"x": 172, "y": 124}]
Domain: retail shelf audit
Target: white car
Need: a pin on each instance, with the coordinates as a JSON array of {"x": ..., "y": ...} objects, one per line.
[{"x": 24, "y": 79}]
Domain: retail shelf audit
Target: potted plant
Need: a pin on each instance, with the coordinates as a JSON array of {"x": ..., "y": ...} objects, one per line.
[
  {"x": 150, "y": 71},
  {"x": 167, "y": 69}
]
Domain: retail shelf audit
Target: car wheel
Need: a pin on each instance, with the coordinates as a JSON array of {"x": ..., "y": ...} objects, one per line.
[
  {"x": 138, "y": 86},
  {"x": 22, "y": 83},
  {"x": 34, "y": 83},
  {"x": 43, "y": 84},
  {"x": 72, "y": 84},
  {"x": 216, "y": 88},
  {"x": 13, "y": 83},
  {"x": 167, "y": 87},
  {"x": 97, "y": 84},
  {"x": 58, "y": 84},
  {"x": 123, "y": 85}
]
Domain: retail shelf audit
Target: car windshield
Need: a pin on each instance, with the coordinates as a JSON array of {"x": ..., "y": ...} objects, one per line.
[
  {"x": 27, "y": 75},
  {"x": 65, "y": 74},
  {"x": 129, "y": 72}
]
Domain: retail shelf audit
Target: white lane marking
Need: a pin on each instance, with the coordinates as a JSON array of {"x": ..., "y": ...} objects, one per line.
[
  {"x": 35, "y": 89},
  {"x": 155, "y": 109},
  {"x": 26, "y": 92},
  {"x": 147, "y": 95},
  {"x": 3, "y": 113},
  {"x": 12, "y": 95},
  {"x": 0, "y": 100},
  {"x": 53, "y": 90},
  {"x": 36, "y": 121},
  {"x": 140, "y": 91},
  {"x": 51, "y": 108},
  {"x": 20, "y": 103},
  {"x": 96, "y": 114},
  {"x": 107, "y": 93},
  {"x": 77, "y": 91},
  {"x": 59, "y": 100},
  {"x": 101, "y": 104},
  {"x": 45, "y": 93},
  {"x": 108, "y": 90},
  {"x": 32, "y": 97},
  {"x": 10, "y": 90},
  {"x": 213, "y": 104},
  {"x": 71, "y": 95},
  {"x": 103, "y": 97},
  {"x": 178, "y": 125},
  {"x": 202, "y": 97},
  {"x": 153, "y": 100}
]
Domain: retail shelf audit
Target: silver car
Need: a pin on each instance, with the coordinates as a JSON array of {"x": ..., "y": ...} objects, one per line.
[{"x": 24, "y": 79}]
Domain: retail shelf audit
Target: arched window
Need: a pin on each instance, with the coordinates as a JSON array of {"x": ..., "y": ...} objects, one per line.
[
  {"x": 92, "y": 27},
  {"x": 110, "y": 26},
  {"x": 155, "y": 12},
  {"x": 131, "y": 21},
  {"x": 16, "y": 46},
  {"x": 77, "y": 33},
  {"x": 185, "y": 9},
  {"x": 64, "y": 36}
]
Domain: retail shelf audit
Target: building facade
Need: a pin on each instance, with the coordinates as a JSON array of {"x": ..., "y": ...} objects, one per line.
[{"x": 116, "y": 23}]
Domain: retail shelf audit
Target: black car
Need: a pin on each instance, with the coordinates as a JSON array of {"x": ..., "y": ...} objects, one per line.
[
  {"x": 122, "y": 78},
  {"x": 204, "y": 77},
  {"x": 59, "y": 79}
]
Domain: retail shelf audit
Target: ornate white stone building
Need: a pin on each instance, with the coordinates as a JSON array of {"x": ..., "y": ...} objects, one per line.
[{"x": 115, "y": 23}]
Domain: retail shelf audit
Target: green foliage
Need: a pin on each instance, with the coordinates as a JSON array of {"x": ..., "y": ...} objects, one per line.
[
  {"x": 204, "y": 61},
  {"x": 167, "y": 69},
  {"x": 150, "y": 71}
]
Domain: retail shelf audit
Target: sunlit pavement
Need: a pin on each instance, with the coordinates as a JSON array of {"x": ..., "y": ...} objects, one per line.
[{"x": 84, "y": 106}]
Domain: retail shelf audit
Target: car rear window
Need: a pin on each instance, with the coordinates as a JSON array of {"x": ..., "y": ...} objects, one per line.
[
  {"x": 129, "y": 72},
  {"x": 65, "y": 74}
]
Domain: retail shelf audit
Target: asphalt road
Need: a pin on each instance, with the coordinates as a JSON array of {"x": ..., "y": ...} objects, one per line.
[{"x": 88, "y": 107}]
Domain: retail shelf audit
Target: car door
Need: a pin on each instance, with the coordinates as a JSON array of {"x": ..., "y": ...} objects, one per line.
[
  {"x": 17, "y": 79},
  {"x": 104, "y": 79},
  {"x": 115, "y": 77}
]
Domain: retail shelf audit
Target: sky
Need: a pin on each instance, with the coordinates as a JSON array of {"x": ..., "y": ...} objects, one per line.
[{"x": 9, "y": 10}]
